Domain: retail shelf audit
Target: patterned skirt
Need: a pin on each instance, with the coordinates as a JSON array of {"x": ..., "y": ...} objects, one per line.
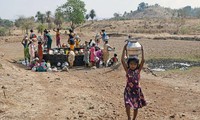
[{"x": 134, "y": 98}]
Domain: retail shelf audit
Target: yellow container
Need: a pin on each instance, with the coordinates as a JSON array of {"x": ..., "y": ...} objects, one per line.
[{"x": 67, "y": 52}]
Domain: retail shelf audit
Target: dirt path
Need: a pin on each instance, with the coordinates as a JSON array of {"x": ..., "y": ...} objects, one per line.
[{"x": 84, "y": 94}]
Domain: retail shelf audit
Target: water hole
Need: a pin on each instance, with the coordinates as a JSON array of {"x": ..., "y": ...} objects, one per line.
[{"x": 171, "y": 64}]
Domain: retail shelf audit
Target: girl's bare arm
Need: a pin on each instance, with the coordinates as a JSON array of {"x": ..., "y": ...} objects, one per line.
[
  {"x": 142, "y": 61},
  {"x": 122, "y": 59}
]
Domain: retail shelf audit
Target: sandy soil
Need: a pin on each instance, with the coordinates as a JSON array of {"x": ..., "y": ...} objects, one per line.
[{"x": 85, "y": 94}]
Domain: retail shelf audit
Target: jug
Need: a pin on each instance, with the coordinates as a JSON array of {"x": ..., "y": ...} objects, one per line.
[{"x": 133, "y": 47}]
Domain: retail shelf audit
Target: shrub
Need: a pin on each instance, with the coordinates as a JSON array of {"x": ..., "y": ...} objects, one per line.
[
  {"x": 184, "y": 30},
  {"x": 41, "y": 28},
  {"x": 3, "y": 31}
]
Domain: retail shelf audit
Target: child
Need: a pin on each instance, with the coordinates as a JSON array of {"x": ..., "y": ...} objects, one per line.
[
  {"x": 133, "y": 95},
  {"x": 113, "y": 60},
  {"x": 57, "y": 37}
]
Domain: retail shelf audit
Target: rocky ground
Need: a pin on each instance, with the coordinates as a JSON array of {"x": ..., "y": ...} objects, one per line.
[{"x": 97, "y": 94}]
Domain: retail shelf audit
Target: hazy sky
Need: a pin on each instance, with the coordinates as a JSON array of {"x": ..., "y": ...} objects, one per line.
[{"x": 11, "y": 9}]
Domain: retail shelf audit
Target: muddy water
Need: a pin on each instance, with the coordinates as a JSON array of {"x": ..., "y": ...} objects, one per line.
[{"x": 170, "y": 64}]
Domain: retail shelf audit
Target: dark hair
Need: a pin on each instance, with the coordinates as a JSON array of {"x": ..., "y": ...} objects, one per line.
[
  {"x": 31, "y": 30},
  {"x": 58, "y": 29},
  {"x": 133, "y": 59},
  {"x": 70, "y": 30},
  {"x": 39, "y": 42},
  {"x": 45, "y": 31},
  {"x": 93, "y": 44},
  {"x": 106, "y": 42},
  {"x": 115, "y": 55},
  {"x": 103, "y": 30}
]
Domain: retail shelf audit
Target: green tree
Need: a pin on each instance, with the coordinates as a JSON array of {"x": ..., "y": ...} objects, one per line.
[
  {"x": 6, "y": 25},
  {"x": 41, "y": 28},
  {"x": 117, "y": 16},
  {"x": 59, "y": 18},
  {"x": 74, "y": 11},
  {"x": 125, "y": 14},
  {"x": 92, "y": 14},
  {"x": 142, "y": 6},
  {"x": 25, "y": 23},
  {"x": 48, "y": 19},
  {"x": 196, "y": 12},
  {"x": 87, "y": 16},
  {"x": 185, "y": 12},
  {"x": 3, "y": 31},
  {"x": 40, "y": 17}
]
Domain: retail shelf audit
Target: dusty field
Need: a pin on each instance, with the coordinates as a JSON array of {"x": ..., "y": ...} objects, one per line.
[{"x": 85, "y": 94}]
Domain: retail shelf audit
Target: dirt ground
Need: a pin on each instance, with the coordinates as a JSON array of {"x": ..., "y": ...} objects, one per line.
[{"x": 97, "y": 94}]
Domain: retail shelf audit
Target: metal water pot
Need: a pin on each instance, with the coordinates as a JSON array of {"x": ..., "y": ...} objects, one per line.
[{"x": 133, "y": 47}]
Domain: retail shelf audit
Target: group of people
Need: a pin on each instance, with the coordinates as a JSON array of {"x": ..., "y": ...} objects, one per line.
[
  {"x": 93, "y": 56},
  {"x": 33, "y": 48},
  {"x": 33, "y": 45}
]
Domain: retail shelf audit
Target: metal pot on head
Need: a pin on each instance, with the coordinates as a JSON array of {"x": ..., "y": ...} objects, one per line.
[{"x": 133, "y": 47}]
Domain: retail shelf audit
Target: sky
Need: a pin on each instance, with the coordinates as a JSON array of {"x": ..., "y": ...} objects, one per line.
[{"x": 12, "y": 9}]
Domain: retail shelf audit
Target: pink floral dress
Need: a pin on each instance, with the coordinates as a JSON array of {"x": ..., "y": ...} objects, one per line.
[{"x": 133, "y": 95}]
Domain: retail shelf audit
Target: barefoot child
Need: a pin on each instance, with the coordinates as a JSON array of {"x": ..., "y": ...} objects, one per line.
[
  {"x": 133, "y": 96},
  {"x": 113, "y": 60}
]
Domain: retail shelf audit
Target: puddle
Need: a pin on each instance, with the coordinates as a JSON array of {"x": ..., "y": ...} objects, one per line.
[{"x": 170, "y": 64}]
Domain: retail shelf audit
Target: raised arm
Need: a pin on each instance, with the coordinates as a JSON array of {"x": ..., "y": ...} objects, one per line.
[
  {"x": 122, "y": 59},
  {"x": 142, "y": 61}
]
